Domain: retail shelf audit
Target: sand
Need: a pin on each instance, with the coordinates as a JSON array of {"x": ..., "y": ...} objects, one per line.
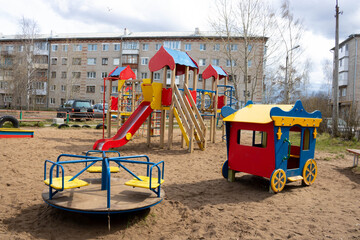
[{"x": 199, "y": 202}]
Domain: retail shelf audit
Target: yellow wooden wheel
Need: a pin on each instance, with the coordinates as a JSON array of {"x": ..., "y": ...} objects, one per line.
[
  {"x": 309, "y": 172},
  {"x": 278, "y": 180}
]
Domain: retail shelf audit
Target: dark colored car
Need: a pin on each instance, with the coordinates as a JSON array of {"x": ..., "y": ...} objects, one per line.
[
  {"x": 98, "y": 110},
  {"x": 77, "y": 109}
]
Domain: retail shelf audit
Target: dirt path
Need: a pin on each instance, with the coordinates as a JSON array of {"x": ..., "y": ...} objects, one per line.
[{"x": 199, "y": 202}]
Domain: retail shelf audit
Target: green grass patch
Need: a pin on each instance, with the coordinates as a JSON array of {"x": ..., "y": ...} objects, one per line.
[
  {"x": 324, "y": 142},
  {"x": 356, "y": 169}
]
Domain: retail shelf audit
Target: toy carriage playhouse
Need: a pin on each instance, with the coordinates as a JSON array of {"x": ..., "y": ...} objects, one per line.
[{"x": 272, "y": 141}]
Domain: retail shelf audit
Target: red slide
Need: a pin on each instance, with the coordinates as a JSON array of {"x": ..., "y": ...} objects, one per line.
[{"x": 130, "y": 126}]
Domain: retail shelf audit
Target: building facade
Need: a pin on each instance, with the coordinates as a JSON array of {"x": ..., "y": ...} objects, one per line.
[
  {"x": 349, "y": 75},
  {"x": 72, "y": 66}
]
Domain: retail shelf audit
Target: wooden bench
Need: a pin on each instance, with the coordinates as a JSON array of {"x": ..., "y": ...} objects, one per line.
[{"x": 356, "y": 153}]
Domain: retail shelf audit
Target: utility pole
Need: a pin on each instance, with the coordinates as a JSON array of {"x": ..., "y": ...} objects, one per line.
[{"x": 335, "y": 112}]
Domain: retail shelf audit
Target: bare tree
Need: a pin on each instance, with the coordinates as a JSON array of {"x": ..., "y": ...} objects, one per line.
[
  {"x": 254, "y": 22},
  {"x": 290, "y": 30},
  {"x": 27, "y": 79},
  {"x": 327, "y": 69}
]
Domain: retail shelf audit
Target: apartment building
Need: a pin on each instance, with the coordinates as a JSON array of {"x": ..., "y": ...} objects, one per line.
[
  {"x": 68, "y": 66},
  {"x": 349, "y": 75}
]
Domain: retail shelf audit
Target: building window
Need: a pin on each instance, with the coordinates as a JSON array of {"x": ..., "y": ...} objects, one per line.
[
  {"x": 105, "y": 47},
  {"x": 249, "y": 48},
  {"x": 90, "y": 89},
  {"x": 102, "y": 89},
  {"x": 143, "y": 75},
  {"x": 8, "y": 61},
  {"x": 188, "y": 47},
  {"x": 77, "y": 47},
  {"x": 145, "y": 47},
  {"x": 130, "y": 59},
  {"x": 65, "y": 47},
  {"x": 231, "y": 78},
  {"x": 343, "y": 92},
  {"x": 116, "y": 61},
  {"x": 144, "y": 61},
  {"x": 116, "y": 46},
  {"x": 202, "y": 46},
  {"x": 91, "y": 61},
  {"x": 75, "y": 88},
  {"x": 200, "y": 77},
  {"x": 53, "y": 74},
  {"x": 104, "y": 74},
  {"x": 232, "y": 47},
  {"x": 130, "y": 45},
  {"x": 340, "y": 63},
  {"x": 63, "y": 75},
  {"x": 76, "y": 74},
  {"x": 202, "y": 62},
  {"x": 217, "y": 47},
  {"x": 52, "y": 101},
  {"x": 53, "y": 61},
  {"x": 39, "y": 100},
  {"x": 173, "y": 44},
  {"x": 76, "y": 61},
  {"x": 104, "y": 61},
  {"x": 21, "y": 48},
  {"x": 54, "y": 48},
  {"x": 215, "y": 62},
  {"x": 62, "y": 101},
  {"x": 248, "y": 79},
  {"x": 156, "y": 76},
  {"x": 157, "y": 46},
  {"x": 92, "y": 47},
  {"x": 91, "y": 75},
  {"x": 249, "y": 63},
  {"x": 230, "y": 63},
  {"x": 52, "y": 88},
  {"x": 63, "y": 88},
  {"x": 64, "y": 61},
  {"x": 114, "y": 89}
]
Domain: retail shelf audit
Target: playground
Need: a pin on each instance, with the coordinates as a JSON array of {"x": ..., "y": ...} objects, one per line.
[{"x": 199, "y": 202}]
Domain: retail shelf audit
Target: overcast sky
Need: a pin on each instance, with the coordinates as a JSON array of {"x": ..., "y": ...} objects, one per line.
[{"x": 91, "y": 16}]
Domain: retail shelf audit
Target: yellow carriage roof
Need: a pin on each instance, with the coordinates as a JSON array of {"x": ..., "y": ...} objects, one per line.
[{"x": 255, "y": 113}]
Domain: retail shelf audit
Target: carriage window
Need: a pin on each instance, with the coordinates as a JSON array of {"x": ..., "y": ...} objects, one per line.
[
  {"x": 306, "y": 139},
  {"x": 295, "y": 138},
  {"x": 252, "y": 138}
]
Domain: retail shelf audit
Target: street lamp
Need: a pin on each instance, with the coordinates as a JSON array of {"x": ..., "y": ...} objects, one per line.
[{"x": 286, "y": 77}]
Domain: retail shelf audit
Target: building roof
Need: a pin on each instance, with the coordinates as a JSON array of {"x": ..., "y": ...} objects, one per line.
[{"x": 123, "y": 35}]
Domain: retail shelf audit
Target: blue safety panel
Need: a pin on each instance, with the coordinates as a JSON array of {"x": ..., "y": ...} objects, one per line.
[{"x": 181, "y": 58}]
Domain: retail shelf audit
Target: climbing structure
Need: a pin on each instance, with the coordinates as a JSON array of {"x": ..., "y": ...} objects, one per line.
[
  {"x": 178, "y": 104},
  {"x": 216, "y": 73}
]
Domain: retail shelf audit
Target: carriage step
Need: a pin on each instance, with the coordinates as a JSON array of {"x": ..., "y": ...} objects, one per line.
[
  {"x": 57, "y": 183},
  {"x": 295, "y": 178},
  {"x": 145, "y": 183},
  {"x": 98, "y": 169}
]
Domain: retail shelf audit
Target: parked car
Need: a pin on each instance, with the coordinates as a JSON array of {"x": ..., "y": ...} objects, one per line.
[
  {"x": 77, "y": 109},
  {"x": 98, "y": 110}
]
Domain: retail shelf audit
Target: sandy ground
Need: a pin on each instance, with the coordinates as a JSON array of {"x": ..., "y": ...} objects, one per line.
[{"x": 199, "y": 202}]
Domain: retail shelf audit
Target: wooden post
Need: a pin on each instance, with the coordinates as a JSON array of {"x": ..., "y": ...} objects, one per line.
[
  {"x": 108, "y": 116},
  {"x": 171, "y": 113},
  {"x": 203, "y": 97},
  {"x": 225, "y": 100},
  {"x": 216, "y": 81},
  {"x": 149, "y": 118},
  {"x": 163, "y": 114}
]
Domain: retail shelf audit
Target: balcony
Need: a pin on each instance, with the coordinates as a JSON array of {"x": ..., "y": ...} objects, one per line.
[
  {"x": 41, "y": 65},
  {"x": 343, "y": 79},
  {"x": 7, "y": 52},
  {"x": 130, "y": 51}
]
